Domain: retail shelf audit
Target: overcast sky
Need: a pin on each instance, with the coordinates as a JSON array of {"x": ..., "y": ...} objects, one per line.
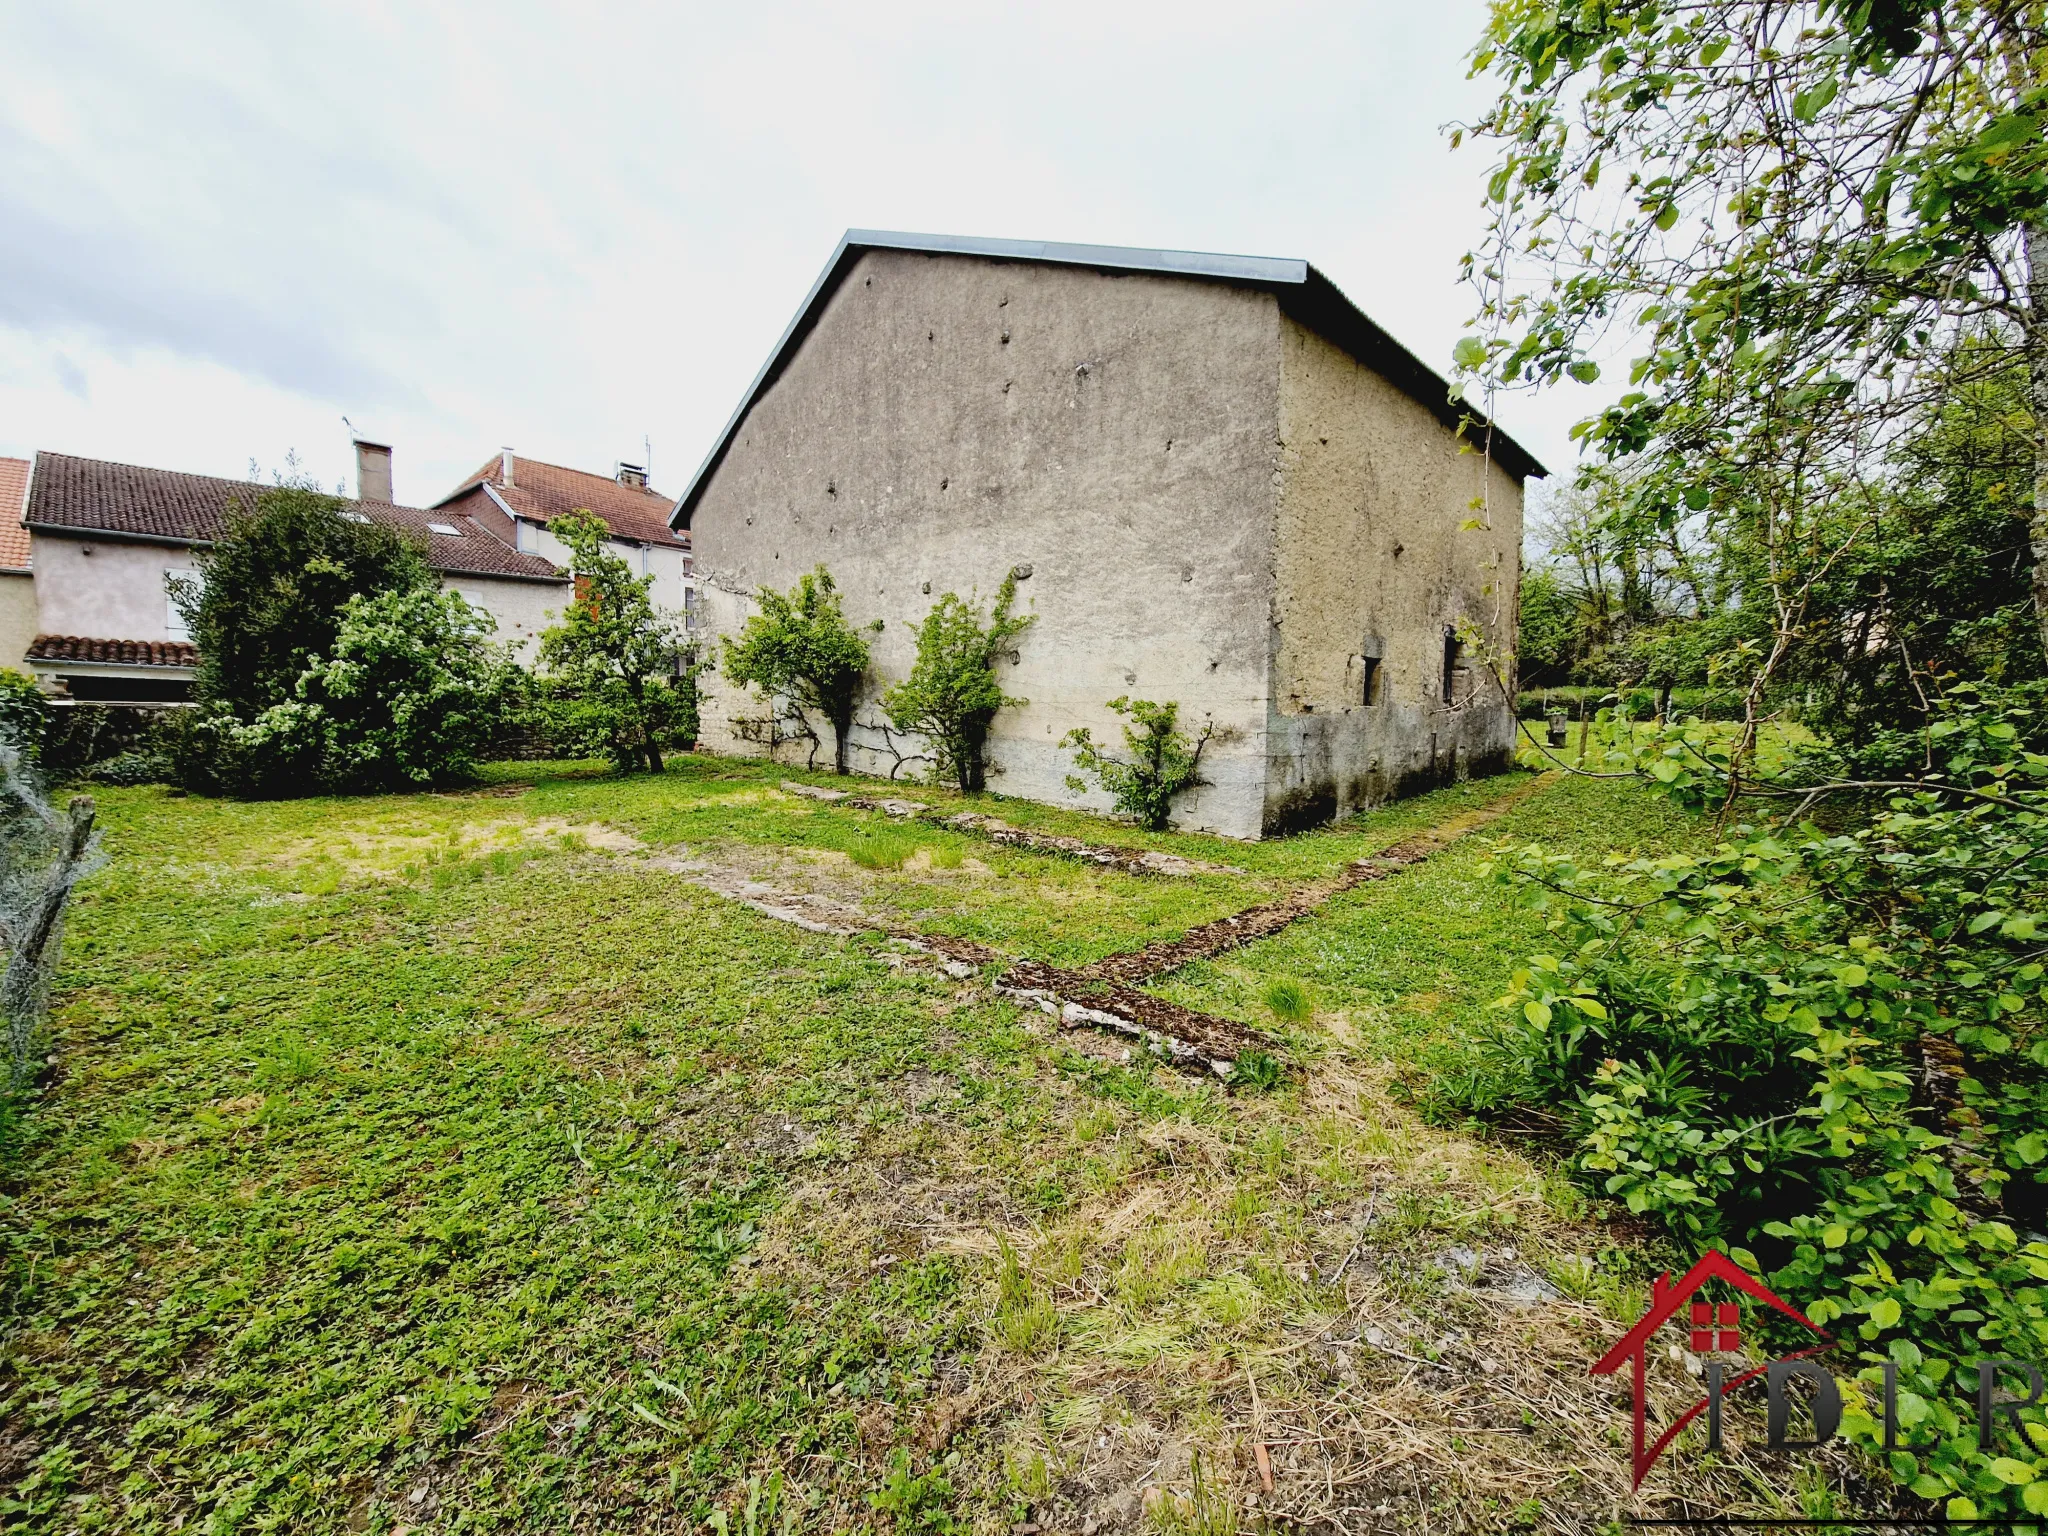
[{"x": 223, "y": 228}]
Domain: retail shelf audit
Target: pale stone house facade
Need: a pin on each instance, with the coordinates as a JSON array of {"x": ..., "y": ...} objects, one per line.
[
  {"x": 519, "y": 499},
  {"x": 17, "y": 579},
  {"x": 109, "y": 539},
  {"x": 1222, "y": 484}
]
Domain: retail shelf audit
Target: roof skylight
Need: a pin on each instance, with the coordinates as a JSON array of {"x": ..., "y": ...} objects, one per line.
[{"x": 449, "y": 529}]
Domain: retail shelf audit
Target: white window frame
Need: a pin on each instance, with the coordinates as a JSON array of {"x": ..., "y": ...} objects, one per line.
[{"x": 174, "y": 621}]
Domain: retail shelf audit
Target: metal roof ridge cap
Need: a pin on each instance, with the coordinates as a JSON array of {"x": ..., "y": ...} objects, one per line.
[{"x": 1138, "y": 258}]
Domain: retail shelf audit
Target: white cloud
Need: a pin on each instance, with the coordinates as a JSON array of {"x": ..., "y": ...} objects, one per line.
[{"x": 465, "y": 226}]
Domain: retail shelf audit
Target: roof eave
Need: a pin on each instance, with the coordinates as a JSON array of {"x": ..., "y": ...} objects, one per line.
[
  {"x": 115, "y": 535},
  {"x": 557, "y": 580}
]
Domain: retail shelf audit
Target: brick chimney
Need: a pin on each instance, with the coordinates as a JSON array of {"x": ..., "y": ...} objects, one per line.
[
  {"x": 373, "y": 471},
  {"x": 634, "y": 475}
]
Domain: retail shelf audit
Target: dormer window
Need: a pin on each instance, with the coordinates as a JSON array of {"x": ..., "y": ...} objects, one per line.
[
  {"x": 353, "y": 516},
  {"x": 446, "y": 530}
]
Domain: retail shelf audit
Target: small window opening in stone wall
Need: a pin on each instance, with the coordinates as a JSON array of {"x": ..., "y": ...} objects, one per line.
[
  {"x": 1369, "y": 691},
  {"x": 1454, "y": 651}
]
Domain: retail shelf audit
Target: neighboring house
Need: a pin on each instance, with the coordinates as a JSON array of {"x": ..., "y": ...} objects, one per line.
[
  {"x": 518, "y": 498},
  {"x": 17, "y": 582},
  {"x": 107, "y": 540},
  {"x": 1226, "y": 486}
]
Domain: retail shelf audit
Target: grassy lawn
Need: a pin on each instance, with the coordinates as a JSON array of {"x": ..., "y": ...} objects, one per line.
[{"x": 450, "y": 1162}]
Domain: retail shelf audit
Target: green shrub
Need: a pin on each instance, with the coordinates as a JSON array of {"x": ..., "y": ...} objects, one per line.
[
  {"x": 1163, "y": 761},
  {"x": 24, "y": 714},
  {"x": 131, "y": 768},
  {"x": 799, "y": 648},
  {"x": 414, "y": 692},
  {"x": 1747, "y": 1047},
  {"x": 79, "y": 737},
  {"x": 273, "y": 589},
  {"x": 951, "y": 696}
]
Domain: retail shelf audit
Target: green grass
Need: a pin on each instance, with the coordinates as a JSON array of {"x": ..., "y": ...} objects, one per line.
[
  {"x": 1408, "y": 966},
  {"x": 443, "y": 1145}
]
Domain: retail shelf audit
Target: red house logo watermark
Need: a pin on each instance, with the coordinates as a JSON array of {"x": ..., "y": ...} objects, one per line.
[{"x": 1716, "y": 1328}]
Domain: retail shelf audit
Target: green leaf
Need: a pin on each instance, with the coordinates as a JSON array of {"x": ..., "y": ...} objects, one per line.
[
  {"x": 2007, "y": 1470},
  {"x": 1470, "y": 352},
  {"x": 1811, "y": 102},
  {"x": 1537, "y": 1014},
  {"x": 2035, "y": 1497},
  {"x": 1885, "y": 1312},
  {"x": 1585, "y": 370},
  {"x": 1592, "y": 1007},
  {"x": 1835, "y": 1234}
]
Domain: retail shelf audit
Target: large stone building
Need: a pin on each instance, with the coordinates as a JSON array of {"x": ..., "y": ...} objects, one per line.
[{"x": 1222, "y": 484}]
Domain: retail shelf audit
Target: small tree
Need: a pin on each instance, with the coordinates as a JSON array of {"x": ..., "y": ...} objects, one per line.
[
  {"x": 612, "y": 652},
  {"x": 1163, "y": 760},
  {"x": 801, "y": 647},
  {"x": 274, "y": 588},
  {"x": 951, "y": 695}
]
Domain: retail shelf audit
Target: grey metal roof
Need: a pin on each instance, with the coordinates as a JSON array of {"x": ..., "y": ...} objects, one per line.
[{"x": 1303, "y": 292}]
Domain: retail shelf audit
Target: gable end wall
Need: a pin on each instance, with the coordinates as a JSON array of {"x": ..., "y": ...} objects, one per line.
[{"x": 952, "y": 417}]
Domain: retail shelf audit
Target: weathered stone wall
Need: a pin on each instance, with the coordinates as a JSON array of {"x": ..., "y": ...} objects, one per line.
[
  {"x": 951, "y": 418},
  {"x": 1371, "y": 560}
]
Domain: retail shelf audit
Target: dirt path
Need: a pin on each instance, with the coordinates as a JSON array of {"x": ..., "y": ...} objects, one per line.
[
  {"x": 1108, "y": 993},
  {"x": 1137, "y": 966}
]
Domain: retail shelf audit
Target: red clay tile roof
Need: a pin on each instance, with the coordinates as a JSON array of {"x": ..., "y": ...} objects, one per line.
[
  {"x": 122, "y": 653},
  {"x": 94, "y": 496},
  {"x": 544, "y": 492},
  {"x": 13, "y": 494}
]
